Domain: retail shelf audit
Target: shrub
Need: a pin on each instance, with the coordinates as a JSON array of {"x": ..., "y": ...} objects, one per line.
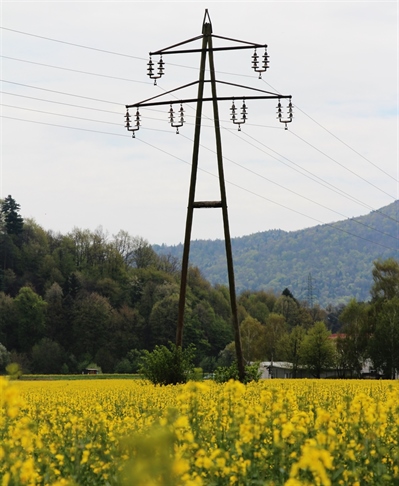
[
  {"x": 197, "y": 374},
  {"x": 226, "y": 373},
  {"x": 14, "y": 371},
  {"x": 168, "y": 366}
]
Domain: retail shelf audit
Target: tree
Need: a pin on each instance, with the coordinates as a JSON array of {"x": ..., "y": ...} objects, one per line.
[
  {"x": 252, "y": 339},
  {"x": 289, "y": 348},
  {"x": 385, "y": 317},
  {"x": 135, "y": 251},
  {"x": 4, "y": 358},
  {"x": 11, "y": 227},
  {"x": 384, "y": 343},
  {"x": 163, "y": 320},
  {"x": 47, "y": 357},
  {"x": 353, "y": 339},
  {"x": 255, "y": 304},
  {"x": 317, "y": 350},
  {"x": 288, "y": 307},
  {"x": 55, "y": 316},
  {"x": 386, "y": 280},
  {"x": 92, "y": 318},
  {"x": 31, "y": 318},
  {"x": 274, "y": 329},
  {"x": 12, "y": 220},
  {"x": 140, "y": 254},
  {"x": 127, "y": 331},
  {"x": 8, "y": 321}
]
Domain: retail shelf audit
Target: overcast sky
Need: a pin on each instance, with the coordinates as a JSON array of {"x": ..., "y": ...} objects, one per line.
[{"x": 67, "y": 159}]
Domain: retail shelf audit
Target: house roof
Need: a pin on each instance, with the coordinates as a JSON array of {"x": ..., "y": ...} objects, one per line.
[{"x": 276, "y": 364}]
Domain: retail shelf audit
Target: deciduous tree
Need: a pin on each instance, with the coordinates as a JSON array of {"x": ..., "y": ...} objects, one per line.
[
  {"x": 31, "y": 318},
  {"x": 384, "y": 343},
  {"x": 289, "y": 348},
  {"x": 353, "y": 339},
  {"x": 317, "y": 350}
]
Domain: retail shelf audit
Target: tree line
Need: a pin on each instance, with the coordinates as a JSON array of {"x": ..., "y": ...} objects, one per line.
[{"x": 68, "y": 301}]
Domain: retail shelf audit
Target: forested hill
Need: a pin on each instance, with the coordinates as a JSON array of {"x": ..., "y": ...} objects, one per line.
[{"x": 327, "y": 263}]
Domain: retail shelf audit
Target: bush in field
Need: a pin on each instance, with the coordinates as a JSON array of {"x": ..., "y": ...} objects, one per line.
[
  {"x": 168, "y": 366},
  {"x": 226, "y": 373},
  {"x": 14, "y": 371}
]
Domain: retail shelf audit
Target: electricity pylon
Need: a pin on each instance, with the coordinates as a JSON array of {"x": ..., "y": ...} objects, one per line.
[{"x": 177, "y": 121}]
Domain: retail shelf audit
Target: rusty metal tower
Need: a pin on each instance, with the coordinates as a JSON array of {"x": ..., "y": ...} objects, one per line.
[{"x": 260, "y": 64}]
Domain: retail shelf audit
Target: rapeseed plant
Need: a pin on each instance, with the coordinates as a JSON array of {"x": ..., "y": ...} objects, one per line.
[{"x": 274, "y": 432}]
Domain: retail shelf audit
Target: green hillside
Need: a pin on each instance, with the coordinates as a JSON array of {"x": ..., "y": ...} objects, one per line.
[{"x": 327, "y": 263}]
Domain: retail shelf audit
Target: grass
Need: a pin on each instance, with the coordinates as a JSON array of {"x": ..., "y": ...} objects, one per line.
[{"x": 102, "y": 376}]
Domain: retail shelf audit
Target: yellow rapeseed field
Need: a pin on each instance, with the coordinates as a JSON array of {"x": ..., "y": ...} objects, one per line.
[{"x": 274, "y": 432}]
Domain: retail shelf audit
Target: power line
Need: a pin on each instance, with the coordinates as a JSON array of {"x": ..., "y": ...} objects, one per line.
[
  {"x": 82, "y": 46},
  {"x": 233, "y": 162},
  {"x": 312, "y": 176},
  {"x": 69, "y": 116},
  {"x": 72, "y": 44},
  {"x": 205, "y": 171},
  {"x": 61, "y": 103},
  {"x": 324, "y": 183},
  {"x": 296, "y": 193},
  {"x": 143, "y": 82},
  {"x": 189, "y": 67},
  {"x": 69, "y": 94},
  {"x": 346, "y": 145},
  {"x": 61, "y": 92},
  {"x": 71, "y": 104},
  {"x": 124, "y": 79},
  {"x": 60, "y": 114},
  {"x": 63, "y": 126},
  {"x": 76, "y": 70},
  {"x": 230, "y": 160},
  {"x": 274, "y": 202},
  {"x": 342, "y": 165},
  {"x": 337, "y": 138}
]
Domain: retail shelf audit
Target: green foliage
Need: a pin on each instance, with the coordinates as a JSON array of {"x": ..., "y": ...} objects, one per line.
[
  {"x": 288, "y": 347},
  {"x": 168, "y": 365},
  {"x": 340, "y": 263},
  {"x": 4, "y": 358},
  {"x": 13, "y": 221},
  {"x": 14, "y": 371},
  {"x": 317, "y": 351},
  {"x": 47, "y": 357},
  {"x": 31, "y": 314},
  {"x": 253, "y": 339},
  {"x": 384, "y": 343},
  {"x": 98, "y": 298},
  {"x": 352, "y": 343},
  {"x": 386, "y": 280},
  {"x": 91, "y": 323},
  {"x": 124, "y": 366},
  {"x": 227, "y": 373},
  {"x": 196, "y": 375}
]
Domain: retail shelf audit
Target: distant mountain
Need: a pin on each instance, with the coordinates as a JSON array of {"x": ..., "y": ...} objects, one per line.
[{"x": 327, "y": 264}]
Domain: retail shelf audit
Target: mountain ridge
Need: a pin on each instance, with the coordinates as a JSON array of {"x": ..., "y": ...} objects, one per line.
[{"x": 324, "y": 264}]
